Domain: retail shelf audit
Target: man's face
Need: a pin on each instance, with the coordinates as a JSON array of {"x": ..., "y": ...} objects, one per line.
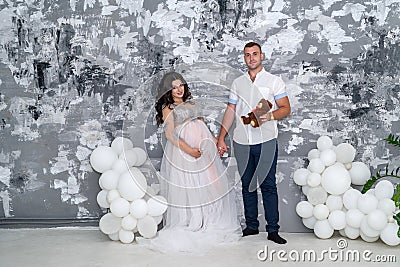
[{"x": 253, "y": 57}]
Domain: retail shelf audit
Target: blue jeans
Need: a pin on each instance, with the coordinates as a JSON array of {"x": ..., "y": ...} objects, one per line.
[{"x": 257, "y": 163}]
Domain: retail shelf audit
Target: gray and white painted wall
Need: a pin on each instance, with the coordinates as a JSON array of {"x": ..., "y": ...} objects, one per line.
[{"x": 75, "y": 74}]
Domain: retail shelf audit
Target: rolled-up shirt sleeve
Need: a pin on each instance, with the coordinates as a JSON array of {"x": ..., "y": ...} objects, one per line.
[
  {"x": 279, "y": 89},
  {"x": 233, "y": 97}
]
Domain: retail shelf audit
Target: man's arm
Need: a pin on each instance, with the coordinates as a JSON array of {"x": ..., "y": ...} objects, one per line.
[
  {"x": 227, "y": 122},
  {"x": 282, "y": 111}
]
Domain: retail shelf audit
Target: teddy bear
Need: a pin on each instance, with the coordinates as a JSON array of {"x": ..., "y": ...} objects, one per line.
[{"x": 253, "y": 117}]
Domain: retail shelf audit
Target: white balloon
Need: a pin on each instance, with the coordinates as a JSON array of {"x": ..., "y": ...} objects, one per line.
[
  {"x": 367, "y": 238},
  {"x": 321, "y": 212},
  {"x": 120, "y": 207},
  {"x": 384, "y": 189},
  {"x": 158, "y": 219},
  {"x": 304, "y": 209},
  {"x": 387, "y": 206},
  {"x": 119, "y": 144},
  {"x": 305, "y": 189},
  {"x": 367, "y": 203},
  {"x": 129, "y": 157},
  {"x": 313, "y": 154},
  {"x": 102, "y": 158},
  {"x": 323, "y": 229},
  {"x": 337, "y": 219},
  {"x": 150, "y": 192},
  {"x": 147, "y": 227},
  {"x": 345, "y": 153},
  {"x": 102, "y": 199},
  {"x": 129, "y": 222},
  {"x": 317, "y": 195},
  {"x": 157, "y": 206},
  {"x": 300, "y": 176},
  {"x": 371, "y": 192},
  {"x": 354, "y": 218},
  {"x": 313, "y": 179},
  {"x": 377, "y": 220},
  {"x": 141, "y": 156},
  {"x": 359, "y": 173},
  {"x": 351, "y": 232},
  {"x": 139, "y": 208},
  {"x": 109, "y": 224},
  {"x": 336, "y": 180},
  {"x": 324, "y": 142},
  {"x": 125, "y": 236},
  {"x": 367, "y": 230},
  {"x": 132, "y": 184},
  {"x": 114, "y": 236},
  {"x": 120, "y": 166},
  {"x": 328, "y": 157},
  {"x": 334, "y": 202},
  {"x": 342, "y": 233},
  {"x": 389, "y": 234},
  {"x": 316, "y": 165},
  {"x": 309, "y": 222},
  {"x": 109, "y": 179},
  {"x": 350, "y": 198},
  {"x": 112, "y": 195}
]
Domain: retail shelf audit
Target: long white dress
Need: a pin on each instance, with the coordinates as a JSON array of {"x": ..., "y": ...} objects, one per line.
[{"x": 202, "y": 209}]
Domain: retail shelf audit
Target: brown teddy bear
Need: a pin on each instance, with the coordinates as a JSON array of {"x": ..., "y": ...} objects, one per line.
[{"x": 253, "y": 117}]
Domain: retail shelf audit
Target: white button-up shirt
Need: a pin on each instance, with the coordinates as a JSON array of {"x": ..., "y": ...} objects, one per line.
[{"x": 246, "y": 94}]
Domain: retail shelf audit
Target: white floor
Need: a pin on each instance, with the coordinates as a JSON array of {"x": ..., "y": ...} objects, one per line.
[{"x": 87, "y": 246}]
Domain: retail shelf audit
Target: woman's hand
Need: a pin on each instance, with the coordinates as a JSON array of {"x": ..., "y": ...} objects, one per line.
[
  {"x": 222, "y": 147},
  {"x": 195, "y": 152}
]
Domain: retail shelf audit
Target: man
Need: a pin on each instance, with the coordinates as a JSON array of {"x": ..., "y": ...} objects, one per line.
[{"x": 256, "y": 149}]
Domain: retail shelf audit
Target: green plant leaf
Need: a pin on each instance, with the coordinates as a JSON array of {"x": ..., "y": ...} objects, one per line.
[
  {"x": 392, "y": 139},
  {"x": 396, "y": 196}
]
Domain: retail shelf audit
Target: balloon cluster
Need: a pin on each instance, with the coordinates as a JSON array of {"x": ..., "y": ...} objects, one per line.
[
  {"x": 332, "y": 204},
  {"x": 134, "y": 206}
]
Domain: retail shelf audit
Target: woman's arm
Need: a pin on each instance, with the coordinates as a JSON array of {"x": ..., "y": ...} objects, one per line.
[{"x": 169, "y": 127}]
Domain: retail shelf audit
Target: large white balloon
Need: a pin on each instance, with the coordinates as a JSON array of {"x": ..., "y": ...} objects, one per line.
[
  {"x": 147, "y": 227},
  {"x": 120, "y": 166},
  {"x": 309, "y": 222},
  {"x": 367, "y": 203},
  {"x": 328, "y": 157},
  {"x": 336, "y": 180},
  {"x": 324, "y": 142},
  {"x": 132, "y": 184},
  {"x": 323, "y": 229},
  {"x": 157, "y": 205},
  {"x": 125, "y": 236},
  {"x": 389, "y": 234},
  {"x": 377, "y": 220},
  {"x": 139, "y": 208},
  {"x": 313, "y": 179},
  {"x": 359, "y": 173},
  {"x": 129, "y": 157},
  {"x": 102, "y": 199},
  {"x": 316, "y": 165},
  {"x": 304, "y": 209},
  {"x": 120, "y": 207},
  {"x": 387, "y": 206},
  {"x": 300, "y": 176},
  {"x": 334, "y": 202},
  {"x": 337, "y": 219},
  {"x": 317, "y": 195},
  {"x": 141, "y": 156},
  {"x": 109, "y": 179},
  {"x": 367, "y": 230},
  {"x": 345, "y": 153},
  {"x": 321, "y": 212},
  {"x": 313, "y": 153},
  {"x": 114, "y": 236},
  {"x": 112, "y": 195},
  {"x": 351, "y": 232},
  {"x": 102, "y": 158},
  {"x": 129, "y": 222},
  {"x": 384, "y": 189},
  {"x": 110, "y": 224},
  {"x": 350, "y": 198},
  {"x": 367, "y": 238},
  {"x": 354, "y": 217},
  {"x": 120, "y": 144}
]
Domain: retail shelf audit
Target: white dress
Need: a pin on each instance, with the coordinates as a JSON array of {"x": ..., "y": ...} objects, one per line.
[{"x": 202, "y": 209}]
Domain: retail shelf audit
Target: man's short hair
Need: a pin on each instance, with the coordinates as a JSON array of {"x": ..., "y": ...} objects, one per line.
[{"x": 251, "y": 44}]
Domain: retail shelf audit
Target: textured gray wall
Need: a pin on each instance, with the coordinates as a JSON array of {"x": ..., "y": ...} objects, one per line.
[{"x": 75, "y": 74}]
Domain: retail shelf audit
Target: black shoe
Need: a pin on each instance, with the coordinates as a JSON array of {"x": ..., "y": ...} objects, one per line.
[
  {"x": 274, "y": 236},
  {"x": 248, "y": 231}
]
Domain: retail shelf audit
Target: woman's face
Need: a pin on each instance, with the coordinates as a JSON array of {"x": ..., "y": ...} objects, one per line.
[{"x": 178, "y": 89}]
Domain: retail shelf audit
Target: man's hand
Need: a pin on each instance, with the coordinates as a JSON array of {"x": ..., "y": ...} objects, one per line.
[
  {"x": 222, "y": 147},
  {"x": 266, "y": 117}
]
